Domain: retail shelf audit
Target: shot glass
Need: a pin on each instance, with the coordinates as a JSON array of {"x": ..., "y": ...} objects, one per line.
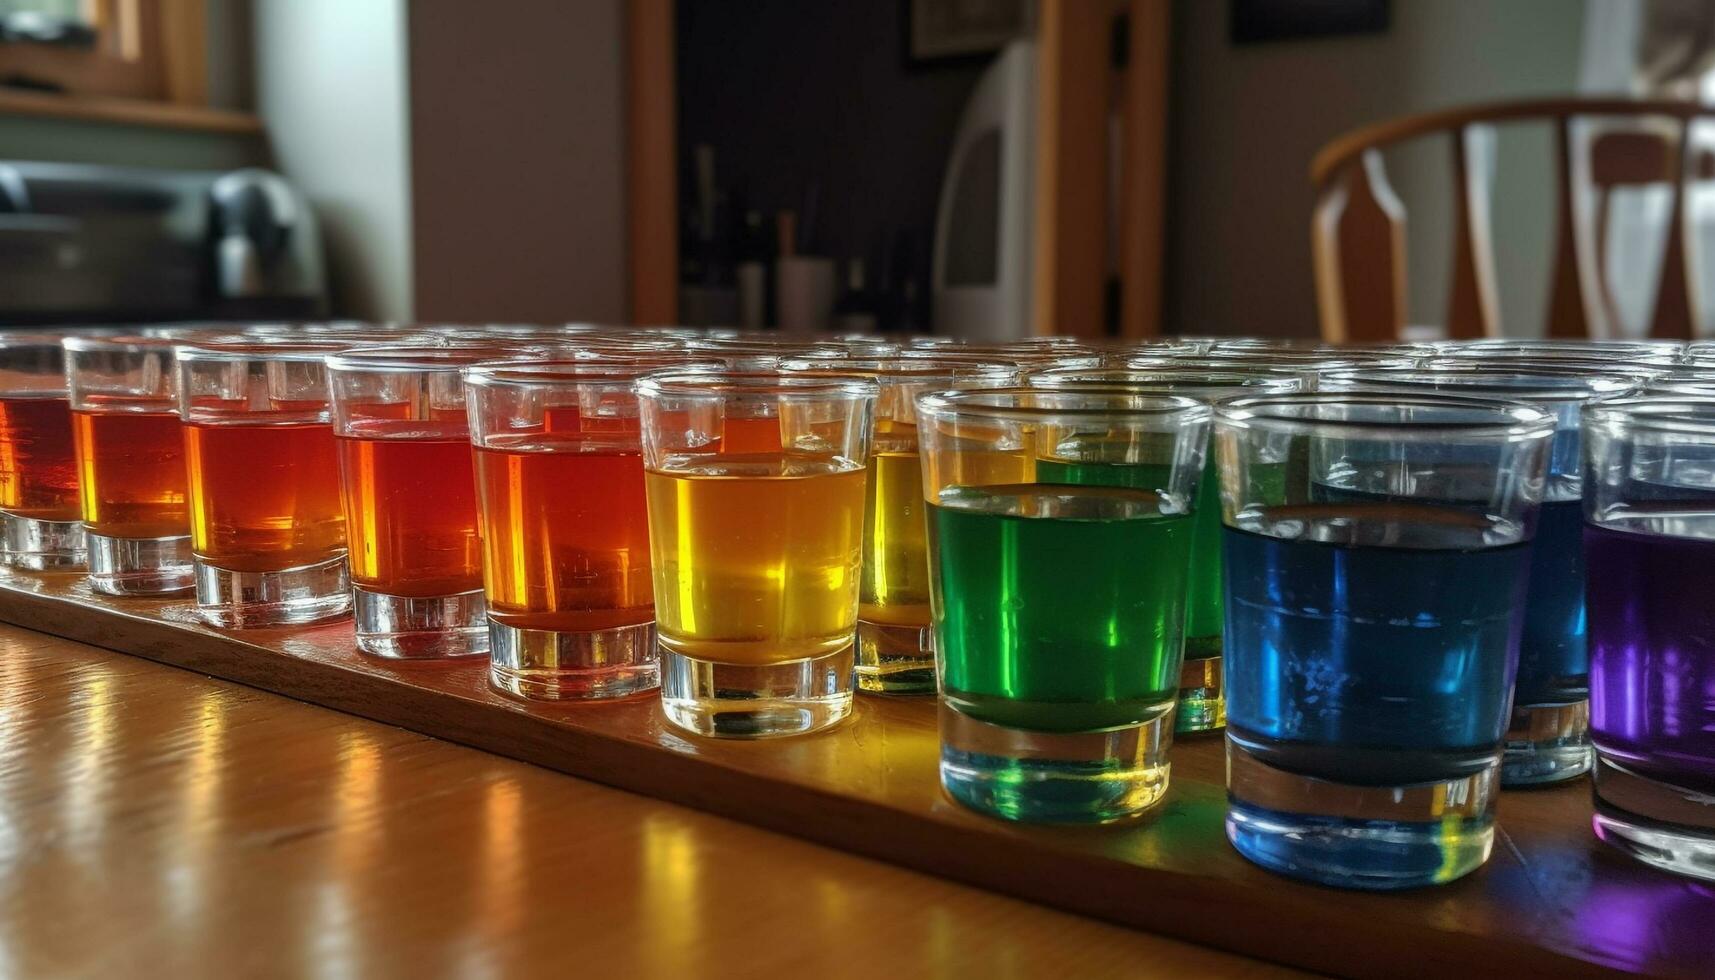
[
  {"x": 565, "y": 530},
  {"x": 1548, "y": 738},
  {"x": 41, "y": 526},
  {"x": 1649, "y": 539},
  {"x": 130, "y": 448},
  {"x": 408, "y": 483},
  {"x": 1377, "y": 555},
  {"x": 756, "y": 486},
  {"x": 1060, "y": 527},
  {"x": 895, "y": 645},
  {"x": 267, "y": 526},
  {"x": 1202, "y": 703}
]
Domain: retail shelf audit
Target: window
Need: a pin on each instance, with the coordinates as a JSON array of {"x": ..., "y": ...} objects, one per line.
[{"x": 137, "y": 49}]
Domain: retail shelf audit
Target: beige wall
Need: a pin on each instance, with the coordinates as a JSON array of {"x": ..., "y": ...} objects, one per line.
[
  {"x": 1247, "y": 119},
  {"x": 331, "y": 86},
  {"x": 518, "y": 188}
]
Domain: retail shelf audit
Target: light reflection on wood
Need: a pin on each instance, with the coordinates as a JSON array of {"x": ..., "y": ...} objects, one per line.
[{"x": 232, "y": 833}]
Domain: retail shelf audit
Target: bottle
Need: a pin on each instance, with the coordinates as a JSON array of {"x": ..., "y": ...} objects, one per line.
[
  {"x": 752, "y": 273},
  {"x": 855, "y": 312}
]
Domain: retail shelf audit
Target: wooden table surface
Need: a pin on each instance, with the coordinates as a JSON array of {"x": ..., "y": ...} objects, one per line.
[{"x": 156, "y": 822}]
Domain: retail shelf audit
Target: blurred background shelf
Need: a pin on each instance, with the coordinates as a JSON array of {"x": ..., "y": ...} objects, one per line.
[{"x": 129, "y": 112}]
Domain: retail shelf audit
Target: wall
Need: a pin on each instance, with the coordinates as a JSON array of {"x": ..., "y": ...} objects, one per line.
[
  {"x": 518, "y": 186},
  {"x": 1247, "y": 120},
  {"x": 331, "y": 85}
]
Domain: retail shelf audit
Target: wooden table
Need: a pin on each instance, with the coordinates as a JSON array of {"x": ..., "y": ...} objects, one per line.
[{"x": 153, "y": 821}]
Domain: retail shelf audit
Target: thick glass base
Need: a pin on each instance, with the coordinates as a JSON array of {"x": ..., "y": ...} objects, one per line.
[
  {"x": 42, "y": 546},
  {"x": 548, "y": 665},
  {"x": 1547, "y": 744},
  {"x": 1374, "y": 837},
  {"x": 288, "y": 597},
  {"x": 1057, "y": 777},
  {"x": 895, "y": 659},
  {"x": 139, "y": 566},
  {"x": 420, "y": 627},
  {"x": 1663, "y": 825},
  {"x": 1202, "y": 694},
  {"x": 756, "y": 701}
]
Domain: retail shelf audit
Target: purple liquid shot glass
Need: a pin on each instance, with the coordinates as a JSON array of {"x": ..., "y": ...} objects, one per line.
[{"x": 1649, "y": 545}]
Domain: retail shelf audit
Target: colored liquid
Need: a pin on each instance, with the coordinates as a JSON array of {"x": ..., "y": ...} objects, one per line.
[
  {"x": 264, "y": 495},
  {"x": 1059, "y": 608},
  {"x": 1554, "y": 657},
  {"x": 131, "y": 470},
  {"x": 757, "y": 557},
  {"x": 1203, "y": 615},
  {"x": 1205, "y": 610},
  {"x": 38, "y": 470},
  {"x": 1652, "y": 653},
  {"x": 750, "y": 435},
  {"x": 1376, "y": 645},
  {"x": 410, "y": 508},
  {"x": 565, "y": 532},
  {"x": 895, "y": 586}
]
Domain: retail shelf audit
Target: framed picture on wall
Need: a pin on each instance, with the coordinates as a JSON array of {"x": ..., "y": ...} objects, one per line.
[
  {"x": 1255, "y": 21},
  {"x": 940, "y": 30}
]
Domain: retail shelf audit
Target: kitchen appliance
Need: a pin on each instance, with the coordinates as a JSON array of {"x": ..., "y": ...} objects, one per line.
[{"x": 98, "y": 244}]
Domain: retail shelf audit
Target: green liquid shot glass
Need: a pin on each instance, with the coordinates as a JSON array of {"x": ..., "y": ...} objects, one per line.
[
  {"x": 1202, "y": 703},
  {"x": 1202, "y": 698},
  {"x": 1059, "y": 610}
]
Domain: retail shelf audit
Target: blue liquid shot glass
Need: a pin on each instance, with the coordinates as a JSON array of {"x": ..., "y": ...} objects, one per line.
[
  {"x": 1377, "y": 550},
  {"x": 1548, "y": 734}
]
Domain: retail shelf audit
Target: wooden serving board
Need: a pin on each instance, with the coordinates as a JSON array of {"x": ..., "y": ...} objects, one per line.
[{"x": 1551, "y": 902}]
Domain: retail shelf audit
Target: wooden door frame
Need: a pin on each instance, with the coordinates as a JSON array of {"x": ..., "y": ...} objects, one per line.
[
  {"x": 652, "y": 159},
  {"x": 1077, "y": 88}
]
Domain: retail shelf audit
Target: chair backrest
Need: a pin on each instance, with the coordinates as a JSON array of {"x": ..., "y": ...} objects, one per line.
[{"x": 1357, "y": 231}]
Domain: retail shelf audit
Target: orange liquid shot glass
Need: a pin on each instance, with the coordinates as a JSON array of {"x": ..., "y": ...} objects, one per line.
[
  {"x": 130, "y": 447},
  {"x": 136, "y": 498},
  {"x": 415, "y": 547},
  {"x": 38, "y": 484},
  {"x": 565, "y": 531},
  {"x": 264, "y": 497},
  {"x": 38, "y": 472},
  {"x": 409, "y": 497},
  {"x": 267, "y": 525}
]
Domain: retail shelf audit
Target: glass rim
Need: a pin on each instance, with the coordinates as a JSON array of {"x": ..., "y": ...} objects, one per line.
[
  {"x": 1677, "y": 414},
  {"x": 497, "y": 372},
  {"x": 899, "y": 368},
  {"x": 425, "y": 357},
  {"x": 1559, "y": 343},
  {"x": 31, "y": 337},
  {"x": 1257, "y": 364},
  {"x": 301, "y": 350},
  {"x": 1596, "y": 359},
  {"x": 1510, "y": 419},
  {"x": 782, "y": 345},
  {"x": 1612, "y": 367},
  {"x": 121, "y": 343},
  {"x": 953, "y": 402},
  {"x": 1685, "y": 387},
  {"x": 1302, "y": 359},
  {"x": 1580, "y": 386},
  {"x": 1152, "y": 377},
  {"x": 674, "y": 382}
]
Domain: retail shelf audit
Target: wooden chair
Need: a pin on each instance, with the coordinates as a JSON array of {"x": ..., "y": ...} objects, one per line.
[{"x": 1357, "y": 231}]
